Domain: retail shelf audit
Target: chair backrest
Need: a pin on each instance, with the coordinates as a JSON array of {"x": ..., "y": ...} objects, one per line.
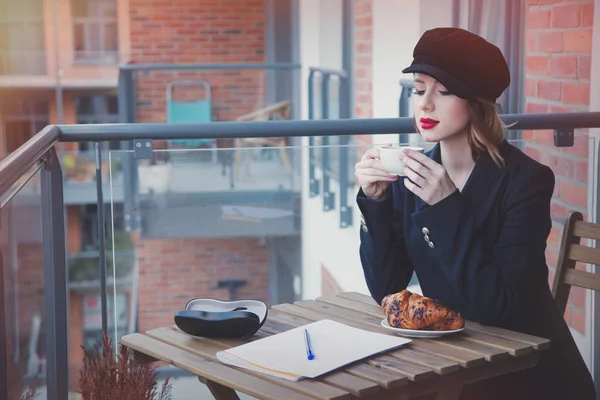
[
  {"x": 571, "y": 252},
  {"x": 189, "y": 111},
  {"x": 281, "y": 110}
]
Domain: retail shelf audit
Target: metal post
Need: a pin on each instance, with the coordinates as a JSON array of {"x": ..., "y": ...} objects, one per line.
[
  {"x": 344, "y": 161},
  {"x": 328, "y": 195},
  {"x": 3, "y": 337},
  {"x": 313, "y": 182},
  {"x": 55, "y": 278},
  {"x": 127, "y": 115},
  {"x": 348, "y": 59},
  {"x": 58, "y": 90},
  {"x": 101, "y": 239}
]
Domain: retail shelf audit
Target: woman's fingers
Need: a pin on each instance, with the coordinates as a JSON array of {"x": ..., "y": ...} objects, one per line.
[
  {"x": 375, "y": 174},
  {"x": 371, "y": 164},
  {"x": 414, "y": 177},
  {"x": 421, "y": 159},
  {"x": 372, "y": 153},
  {"x": 412, "y": 187},
  {"x": 416, "y": 166}
]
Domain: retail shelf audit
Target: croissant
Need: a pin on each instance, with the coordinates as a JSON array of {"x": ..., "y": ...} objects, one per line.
[{"x": 408, "y": 310}]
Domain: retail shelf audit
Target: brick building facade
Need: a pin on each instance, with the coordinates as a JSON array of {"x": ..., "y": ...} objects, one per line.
[{"x": 558, "y": 68}]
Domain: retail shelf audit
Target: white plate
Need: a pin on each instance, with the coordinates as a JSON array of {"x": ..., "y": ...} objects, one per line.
[{"x": 415, "y": 333}]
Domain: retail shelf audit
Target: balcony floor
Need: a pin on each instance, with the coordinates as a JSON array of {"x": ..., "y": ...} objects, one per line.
[{"x": 190, "y": 175}]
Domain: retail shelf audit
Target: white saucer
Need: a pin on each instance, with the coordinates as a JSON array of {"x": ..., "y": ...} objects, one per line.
[{"x": 416, "y": 333}]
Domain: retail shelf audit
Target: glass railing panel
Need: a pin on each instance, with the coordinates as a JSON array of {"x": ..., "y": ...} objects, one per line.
[
  {"x": 22, "y": 264},
  {"x": 223, "y": 229},
  {"x": 78, "y": 162}
]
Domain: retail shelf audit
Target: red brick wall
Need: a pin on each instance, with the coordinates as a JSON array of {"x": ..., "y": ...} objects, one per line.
[
  {"x": 363, "y": 57},
  {"x": 174, "y": 271},
  {"x": 363, "y": 65},
  {"x": 558, "y": 60},
  {"x": 211, "y": 31},
  {"x": 329, "y": 284}
]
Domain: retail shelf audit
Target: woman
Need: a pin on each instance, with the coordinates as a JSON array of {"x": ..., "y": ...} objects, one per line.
[{"x": 471, "y": 217}]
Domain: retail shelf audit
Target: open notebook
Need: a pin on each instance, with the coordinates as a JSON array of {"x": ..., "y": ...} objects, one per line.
[{"x": 333, "y": 344}]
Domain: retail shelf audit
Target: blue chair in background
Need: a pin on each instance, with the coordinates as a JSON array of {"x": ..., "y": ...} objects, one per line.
[{"x": 189, "y": 112}]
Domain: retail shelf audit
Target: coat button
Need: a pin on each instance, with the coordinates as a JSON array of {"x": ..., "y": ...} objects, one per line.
[
  {"x": 363, "y": 224},
  {"x": 426, "y": 237},
  {"x": 425, "y": 231},
  {"x": 431, "y": 245}
]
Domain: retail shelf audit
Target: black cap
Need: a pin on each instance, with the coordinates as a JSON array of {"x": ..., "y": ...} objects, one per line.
[{"x": 466, "y": 64}]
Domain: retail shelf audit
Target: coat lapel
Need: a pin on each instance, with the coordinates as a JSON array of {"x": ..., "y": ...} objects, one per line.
[{"x": 481, "y": 188}]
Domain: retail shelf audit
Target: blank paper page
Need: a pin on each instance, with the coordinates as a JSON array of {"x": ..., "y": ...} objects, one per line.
[{"x": 334, "y": 345}]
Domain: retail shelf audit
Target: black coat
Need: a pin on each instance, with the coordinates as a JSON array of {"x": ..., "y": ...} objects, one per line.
[{"x": 483, "y": 256}]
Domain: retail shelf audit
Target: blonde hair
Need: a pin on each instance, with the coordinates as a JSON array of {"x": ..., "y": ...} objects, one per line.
[{"x": 486, "y": 130}]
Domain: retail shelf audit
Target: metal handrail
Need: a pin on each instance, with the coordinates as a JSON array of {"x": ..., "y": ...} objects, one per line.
[
  {"x": 329, "y": 71},
  {"x": 17, "y": 163},
  {"x": 299, "y": 128},
  {"x": 222, "y": 67}
]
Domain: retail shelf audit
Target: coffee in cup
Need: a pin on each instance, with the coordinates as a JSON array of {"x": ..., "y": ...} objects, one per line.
[{"x": 390, "y": 158}]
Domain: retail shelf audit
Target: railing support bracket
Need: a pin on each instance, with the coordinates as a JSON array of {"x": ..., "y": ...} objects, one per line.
[
  {"x": 328, "y": 201},
  {"x": 345, "y": 217},
  {"x": 564, "y": 137},
  {"x": 142, "y": 149}
]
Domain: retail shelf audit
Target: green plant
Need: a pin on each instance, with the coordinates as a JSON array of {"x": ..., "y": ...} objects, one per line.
[
  {"x": 83, "y": 269},
  {"x": 107, "y": 376},
  {"x": 17, "y": 388}
]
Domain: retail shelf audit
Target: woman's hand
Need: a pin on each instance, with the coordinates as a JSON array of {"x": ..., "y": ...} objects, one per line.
[
  {"x": 426, "y": 178},
  {"x": 373, "y": 179}
]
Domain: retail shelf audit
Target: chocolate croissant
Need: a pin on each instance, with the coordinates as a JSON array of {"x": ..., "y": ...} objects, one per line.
[{"x": 408, "y": 310}]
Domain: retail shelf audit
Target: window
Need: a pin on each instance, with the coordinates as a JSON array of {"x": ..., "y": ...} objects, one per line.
[
  {"x": 97, "y": 109},
  {"x": 95, "y": 31},
  {"x": 23, "y": 117},
  {"x": 501, "y": 23},
  {"x": 22, "y": 38}
]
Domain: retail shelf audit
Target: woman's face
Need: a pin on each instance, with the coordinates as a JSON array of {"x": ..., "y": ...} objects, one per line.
[{"x": 439, "y": 115}]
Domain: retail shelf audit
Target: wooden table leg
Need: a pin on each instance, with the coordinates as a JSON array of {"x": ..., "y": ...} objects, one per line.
[
  {"x": 452, "y": 393},
  {"x": 219, "y": 391}
]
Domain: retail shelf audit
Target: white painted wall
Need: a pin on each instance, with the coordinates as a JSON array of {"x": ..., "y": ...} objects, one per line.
[
  {"x": 394, "y": 36},
  {"x": 331, "y": 40},
  {"x": 309, "y": 25},
  {"x": 323, "y": 242}
]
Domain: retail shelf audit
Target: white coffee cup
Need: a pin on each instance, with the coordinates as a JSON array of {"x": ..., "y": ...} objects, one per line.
[{"x": 390, "y": 158}]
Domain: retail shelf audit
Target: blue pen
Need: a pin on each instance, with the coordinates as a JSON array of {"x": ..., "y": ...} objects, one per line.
[{"x": 309, "y": 353}]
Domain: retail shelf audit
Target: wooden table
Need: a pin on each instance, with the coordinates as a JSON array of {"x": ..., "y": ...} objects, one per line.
[{"x": 439, "y": 367}]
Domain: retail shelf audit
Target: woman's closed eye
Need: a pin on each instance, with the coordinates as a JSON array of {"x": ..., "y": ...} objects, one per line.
[{"x": 422, "y": 92}]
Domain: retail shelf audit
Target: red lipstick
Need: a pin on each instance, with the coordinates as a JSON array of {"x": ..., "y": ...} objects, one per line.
[{"x": 428, "y": 123}]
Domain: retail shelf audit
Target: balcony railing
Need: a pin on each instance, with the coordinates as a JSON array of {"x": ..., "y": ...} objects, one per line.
[{"x": 193, "y": 233}]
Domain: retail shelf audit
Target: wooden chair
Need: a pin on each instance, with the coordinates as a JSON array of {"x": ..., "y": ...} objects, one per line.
[
  {"x": 571, "y": 252},
  {"x": 279, "y": 111}
]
